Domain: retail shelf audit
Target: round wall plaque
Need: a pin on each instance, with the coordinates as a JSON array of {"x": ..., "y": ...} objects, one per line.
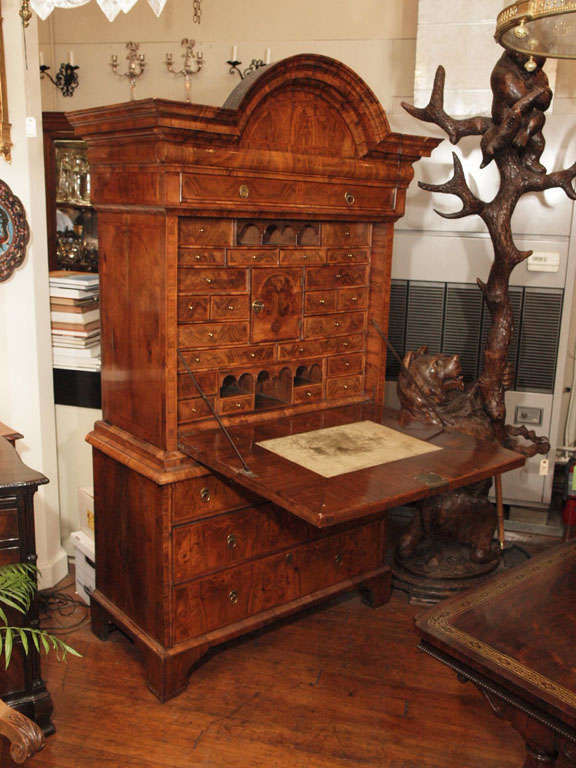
[{"x": 14, "y": 232}]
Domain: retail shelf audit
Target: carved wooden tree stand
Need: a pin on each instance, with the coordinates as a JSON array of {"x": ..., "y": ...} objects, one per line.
[{"x": 512, "y": 137}]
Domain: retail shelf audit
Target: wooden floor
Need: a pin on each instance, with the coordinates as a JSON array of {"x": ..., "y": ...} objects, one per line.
[{"x": 340, "y": 686}]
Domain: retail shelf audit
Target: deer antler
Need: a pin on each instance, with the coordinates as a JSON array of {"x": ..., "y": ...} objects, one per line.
[
  {"x": 434, "y": 113},
  {"x": 457, "y": 186},
  {"x": 562, "y": 179}
]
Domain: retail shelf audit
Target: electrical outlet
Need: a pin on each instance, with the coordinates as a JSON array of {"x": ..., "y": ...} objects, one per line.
[
  {"x": 544, "y": 467},
  {"x": 30, "y": 128}
]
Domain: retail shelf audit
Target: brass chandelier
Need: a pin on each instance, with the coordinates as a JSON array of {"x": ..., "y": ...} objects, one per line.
[{"x": 544, "y": 28}]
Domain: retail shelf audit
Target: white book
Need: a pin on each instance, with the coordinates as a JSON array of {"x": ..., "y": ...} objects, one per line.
[
  {"x": 82, "y": 280},
  {"x": 72, "y": 293},
  {"x": 75, "y": 317},
  {"x": 75, "y": 354},
  {"x": 91, "y": 365}
]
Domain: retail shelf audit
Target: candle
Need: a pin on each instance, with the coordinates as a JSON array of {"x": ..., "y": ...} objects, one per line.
[
  {"x": 267, "y": 55},
  {"x": 41, "y": 59},
  {"x": 234, "y": 53},
  {"x": 71, "y": 57}
]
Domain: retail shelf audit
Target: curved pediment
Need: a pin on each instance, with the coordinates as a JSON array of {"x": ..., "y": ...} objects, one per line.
[{"x": 311, "y": 105}]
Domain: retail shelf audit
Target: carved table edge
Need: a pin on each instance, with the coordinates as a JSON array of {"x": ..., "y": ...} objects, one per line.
[
  {"x": 25, "y": 736},
  {"x": 509, "y": 698}
]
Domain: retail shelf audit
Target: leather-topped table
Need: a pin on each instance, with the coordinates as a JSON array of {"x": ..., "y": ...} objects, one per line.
[{"x": 515, "y": 639}]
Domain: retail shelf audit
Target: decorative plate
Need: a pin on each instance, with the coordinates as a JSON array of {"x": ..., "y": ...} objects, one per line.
[{"x": 14, "y": 232}]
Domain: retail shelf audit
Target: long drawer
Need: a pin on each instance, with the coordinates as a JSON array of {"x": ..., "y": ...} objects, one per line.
[
  {"x": 231, "y": 595},
  {"x": 205, "y": 496},
  {"x": 233, "y": 538},
  {"x": 220, "y": 358}
]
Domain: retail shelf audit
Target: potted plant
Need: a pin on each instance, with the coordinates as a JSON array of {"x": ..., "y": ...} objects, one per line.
[{"x": 17, "y": 590}]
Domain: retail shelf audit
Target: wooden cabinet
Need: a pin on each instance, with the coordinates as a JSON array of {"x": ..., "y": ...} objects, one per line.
[
  {"x": 245, "y": 252},
  {"x": 21, "y": 684}
]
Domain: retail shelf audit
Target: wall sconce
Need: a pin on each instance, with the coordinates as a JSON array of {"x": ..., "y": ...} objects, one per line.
[
  {"x": 193, "y": 62},
  {"x": 254, "y": 65},
  {"x": 66, "y": 78},
  {"x": 136, "y": 65}
]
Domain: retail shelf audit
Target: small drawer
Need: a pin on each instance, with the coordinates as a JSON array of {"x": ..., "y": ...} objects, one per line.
[
  {"x": 192, "y": 257},
  {"x": 193, "y": 409},
  {"x": 223, "y": 280},
  {"x": 319, "y": 301},
  {"x": 219, "y": 358},
  {"x": 229, "y": 307},
  {"x": 333, "y": 324},
  {"x": 193, "y": 309},
  {"x": 212, "y": 334},
  {"x": 235, "y": 537},
  {"x": 236, "y": 404},
  {"x": 345, "y": 364},
  {"x": 310, "y": 393},
  {"x": 344, "y": 387},
  {"x": 347, "y": 256},
  {"x": 206, "y": 231},
  {"x": 252, "y": 257},
  {"x": 302, "y": 257},
  {"x": 334, "y": 345},
  {"x": 345, "y": 234},
  {"x": 205, "y": 496},
  {"x": 251, "y": 587},
  {"x": 207, "y": 381},
  {"x": 352, "y": 298},
  {"x": 8, "y": 524},
  {"x": 336, "y": 277}
]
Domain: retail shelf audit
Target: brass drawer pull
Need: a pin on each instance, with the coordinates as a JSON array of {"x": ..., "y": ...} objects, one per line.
[
  {"x": 196, "y": 359},
  {"x": 321, "y": 301},
  {"x": 232, "y": 541},
  {"x": 301, "y": 350},
  {"x": 211, "y": 334},
  {"x": 202, "y": 229},
  {"x": 198, "y": 256},
  {"x": 346, "y": 344},
  {"x": 252, "y": 355},
  {"x": 191, "y": 307},
  {"x": 308, "y": 394},
  {"x": 237, "y": 405},
  {"x": 338, "y": 558},
  {"x": 289, "y": 557},
  {"x": 347, "y": 363},
  {"x": 233, "y": 596},
  {"x": 354, "y": 299},
  {"x": 350, "y": 200},
  {"x": 230, "y": 307},
  {"x": 194, "y": 410},
  {"x": 337, "y": 323},
  {"x": 346, "y": 387},
  {"x": 339, "y": 276},
  {"x": 205, "y": 495},
  {"x": 244, "y": 190},
  {"x": 255, "y": 257},
  {"x": 257, "y": 306},
  {"x": 209, "y": 280}
]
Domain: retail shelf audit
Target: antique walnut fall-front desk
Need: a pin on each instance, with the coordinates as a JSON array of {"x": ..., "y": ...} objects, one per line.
[{"x": 250, "y": 246}]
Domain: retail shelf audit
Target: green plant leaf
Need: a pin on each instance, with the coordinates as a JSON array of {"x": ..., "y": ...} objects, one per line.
[{"x": 8, "y": 646}]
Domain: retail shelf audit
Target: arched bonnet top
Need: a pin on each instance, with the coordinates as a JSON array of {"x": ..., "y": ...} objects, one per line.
[{"x": 308, "y": 104}]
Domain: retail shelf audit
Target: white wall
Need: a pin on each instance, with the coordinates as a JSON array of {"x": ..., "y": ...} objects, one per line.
[
  {"x": 374, "y": 37},
  {"x": 26, "y": 397}
]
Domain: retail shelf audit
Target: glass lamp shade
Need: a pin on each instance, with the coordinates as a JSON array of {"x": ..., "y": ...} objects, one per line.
[{"x": 539, "y": 28}]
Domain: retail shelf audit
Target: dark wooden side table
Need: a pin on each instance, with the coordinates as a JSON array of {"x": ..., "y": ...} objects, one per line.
[
  {"x": 21, "y": 686},
  {"x": 515, "y": 640}
]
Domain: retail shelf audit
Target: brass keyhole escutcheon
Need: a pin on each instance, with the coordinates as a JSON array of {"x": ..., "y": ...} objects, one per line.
[
  {"x": 232, "y": 541},
  {"x": 257, "y": 306},
  {"x": 350, "y": 200},
  {"x": 233, "y": 596},
  {"x": 338, "y": 558},
  {"x": 205, "y": 494},
  {"x": 244, "y": 191}
]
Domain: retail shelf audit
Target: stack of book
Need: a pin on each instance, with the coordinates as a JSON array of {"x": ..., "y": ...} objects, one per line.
[{"x": 75, "y": 317}]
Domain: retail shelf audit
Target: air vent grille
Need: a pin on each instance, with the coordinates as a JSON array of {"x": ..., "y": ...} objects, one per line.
[{"x": 453, "y": 318}]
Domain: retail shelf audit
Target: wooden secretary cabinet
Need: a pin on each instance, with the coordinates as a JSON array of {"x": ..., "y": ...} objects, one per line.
[{"x": 250, "y": 245}]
